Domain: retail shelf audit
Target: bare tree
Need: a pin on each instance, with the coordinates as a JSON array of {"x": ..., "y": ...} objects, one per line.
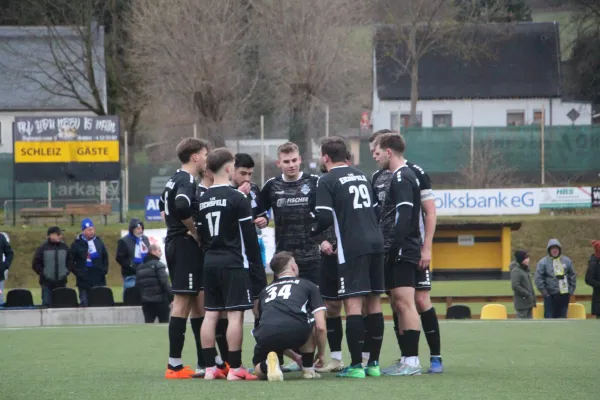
[
  {"x": 487, "y": 168},
  {"x": 308, "y": 53},
  {"x": 190, "y": 55},
  {"x": 70, "y": 53},
  {"x": 417, "y": 28}
]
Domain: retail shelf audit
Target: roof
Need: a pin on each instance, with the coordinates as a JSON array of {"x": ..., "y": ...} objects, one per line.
[
  {"x": 27, "y": 63},
  {"x": 523, "y": 62}
]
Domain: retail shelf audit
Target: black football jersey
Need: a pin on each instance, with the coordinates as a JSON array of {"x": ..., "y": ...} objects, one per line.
[
  {"x": 387, "y": 218},
  {"x": 426, "y": 191},
  {"x": 348, "y": 194},
  {"x": 226, "y": 228},
  {"x": 292, "y": 205},
  {"x": 182, "y": 184},
  {"x": 289, "y": 301},
  {"x": 404, "y": 190}
]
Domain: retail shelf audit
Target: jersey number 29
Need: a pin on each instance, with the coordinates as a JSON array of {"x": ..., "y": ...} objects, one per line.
[
  {"x": 213, "y": 226},
  {"x": 284, "y": 292},
  {"x": 361, "y": 196}
]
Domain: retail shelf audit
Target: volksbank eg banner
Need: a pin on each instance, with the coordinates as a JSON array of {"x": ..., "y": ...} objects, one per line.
[{"x": 487, "y": 202}]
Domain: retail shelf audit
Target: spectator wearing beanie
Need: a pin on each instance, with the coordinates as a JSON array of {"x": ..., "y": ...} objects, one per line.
[
  {"x": 131, "y": 251},
  {"x": 556, "y": 280},
  {"x": 592, "y": 277},
  {"x": 520, "y": 280},
  {"x": 90, "y": 260}
]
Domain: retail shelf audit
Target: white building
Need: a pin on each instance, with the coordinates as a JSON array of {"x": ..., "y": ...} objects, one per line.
[
  {"x": 510, "y": 86},
  {"x": 32, "y": 85}
]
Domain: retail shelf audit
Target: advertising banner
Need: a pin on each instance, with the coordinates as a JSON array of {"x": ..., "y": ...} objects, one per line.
[
  {"x": 566, "y": 197},
  {"x": 487, "y": 202}
]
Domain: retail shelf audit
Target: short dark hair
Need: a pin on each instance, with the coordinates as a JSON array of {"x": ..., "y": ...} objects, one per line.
[
  {"x": 244, "y": 160},
  {"x": 378, "y": 133},
  {"x": 348, "y": 156},
  {"x": 392, "y": 141},
  {"x": 189, "y": 146},
  {"x": 218, "y": 158},
  {"x": 288, "y": 148},
  {"x": 280, "y": 261},
  {"x": 335, "y": 148}
]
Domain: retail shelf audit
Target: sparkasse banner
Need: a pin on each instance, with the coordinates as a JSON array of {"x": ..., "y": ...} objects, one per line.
[{"x": 487, "y": 202}]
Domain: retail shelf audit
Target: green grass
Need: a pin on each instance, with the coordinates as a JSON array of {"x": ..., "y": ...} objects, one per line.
[
  {"x": 483, "y": 360},
  {"x": 442, "y": 288}
]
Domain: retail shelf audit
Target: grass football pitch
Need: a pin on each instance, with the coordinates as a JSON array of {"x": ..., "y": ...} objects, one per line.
[{"x": 483, "y": 360}]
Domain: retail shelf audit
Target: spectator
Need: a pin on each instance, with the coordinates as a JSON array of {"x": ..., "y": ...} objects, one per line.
[
  {"x": 7, "y": 258},
  {"x": 520, "y": 280},
  {"x": 153, "y": 282},
  {"x": 90, "y": 260},
  {"x": 556, "y": 280},
  {"x": 592, "y": 278},
  {"x": 52, "y": 261},
  {"x": 131, "y": 251}
]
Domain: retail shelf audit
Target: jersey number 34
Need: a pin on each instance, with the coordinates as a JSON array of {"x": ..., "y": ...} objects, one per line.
[
  {"x": 361, "y": 194},
  {"x": 284, "y": 292}
]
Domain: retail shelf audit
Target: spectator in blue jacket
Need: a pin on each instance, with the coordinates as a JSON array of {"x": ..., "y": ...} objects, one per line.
[
  {"x": 90, "y": 260},
  {"x": 131, "y": 251}
]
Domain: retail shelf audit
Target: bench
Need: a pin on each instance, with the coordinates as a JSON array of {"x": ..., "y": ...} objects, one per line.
[
  {"x": 87, "y": 210},
  {"x": 28, "y": 213}
]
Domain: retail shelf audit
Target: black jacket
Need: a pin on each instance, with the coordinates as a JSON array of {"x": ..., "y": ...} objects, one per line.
[
  {"x": 8, "y": 253},
  {"x": 153, "y": 281},
  {"x": 89, "y": 277},
  {"x": 126, "y": 250},
  {"x": 53, "y": 262},
  {"x": 592, "y": 278}
]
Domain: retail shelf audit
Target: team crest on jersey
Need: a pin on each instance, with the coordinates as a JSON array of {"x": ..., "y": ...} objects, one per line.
[{"x": 305, "y": 189}]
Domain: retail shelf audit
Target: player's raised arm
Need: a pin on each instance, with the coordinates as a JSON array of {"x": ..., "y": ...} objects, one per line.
[
  {"x": 402, "y": 194},
  {"x": 264, "y": 205},
  {"x": 323, "y": 208},
  {"x": 249, "y": 235}
]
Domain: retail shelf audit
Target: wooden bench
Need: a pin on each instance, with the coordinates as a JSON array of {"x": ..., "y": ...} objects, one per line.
[
  {"x": 88, "y": 210},
  {"x": 28, "y": 213}
]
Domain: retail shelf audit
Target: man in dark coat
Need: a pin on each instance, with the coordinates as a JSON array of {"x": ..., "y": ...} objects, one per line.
[
  {"x": 520, "y": 280},
  {"x": 90, "y": 260},
  {"x": 6, "y": 258},
  {"x": 153, "y": 281},
  {"x": 592, "y": 278},
  {"x": 131, "y": 251},
  {"x": 53, "y": 262}
]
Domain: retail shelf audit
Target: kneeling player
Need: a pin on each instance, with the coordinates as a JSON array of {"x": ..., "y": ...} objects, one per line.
[
  {"x": 289, "y": 307},
  {"x": 230, "y": 242}
]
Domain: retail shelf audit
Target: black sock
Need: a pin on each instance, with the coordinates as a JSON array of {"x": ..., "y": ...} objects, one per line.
[
  {"x": 235, "y": 359},
  {"x": 209, "y": 355},
  {"x": 308, "y": 360},
  {"x": 256, "y": 322},
  {"x": 263, "y": 367},
  {"x": 176, "y": 336},
  {"x": 355, "y": 336},
  {"x": 221, "y": 338},
  {"x": 431, "y": 327},
  {"x": 281, "y": 360},
  {"x": 367, "y": 345},
  {"x": 335, "y": 333},
  {"x": 196, "y": 325},
  {"x": 375, "y": 326},
  {"x": 411, "y": 345},
  {"x": 397, "y": 332}
]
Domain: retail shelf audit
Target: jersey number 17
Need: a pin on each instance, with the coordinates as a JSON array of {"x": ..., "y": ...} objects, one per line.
[{"x": 213, "y": 219}]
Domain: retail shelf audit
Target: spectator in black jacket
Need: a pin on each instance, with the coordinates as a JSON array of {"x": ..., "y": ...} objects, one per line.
[
  {"x": 131, "y": 251},
  {"x": 153, "y": 281},
  {"x": 6, "y": 258},
  {"x": 52, "y": 261},
  {"x": 90, "y": 260},
  {"x": 592, "y": 278}
]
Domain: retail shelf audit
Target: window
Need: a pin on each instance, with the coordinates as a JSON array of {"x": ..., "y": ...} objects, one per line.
[
  {"x": 515, "y": 118},
  {"x": 405, "y": 120},
  {"x": 442, "y": 119},
  {"x": 537, "y": 117}
]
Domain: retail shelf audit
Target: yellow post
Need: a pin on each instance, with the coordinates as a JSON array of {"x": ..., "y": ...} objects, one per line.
[{"x": 506, "y": 247}]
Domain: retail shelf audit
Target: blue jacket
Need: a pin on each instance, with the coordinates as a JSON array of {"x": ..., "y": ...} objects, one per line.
[{"x": 95, "y": 275}]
